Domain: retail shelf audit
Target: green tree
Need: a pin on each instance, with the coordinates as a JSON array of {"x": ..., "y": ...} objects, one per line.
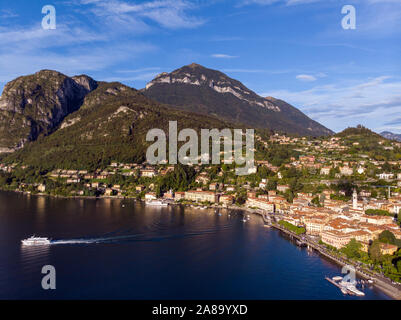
[
  {"x": 387, "y": 237},
  {"x": 352, "y": 250},
  {"x": 375, "y": 252}
]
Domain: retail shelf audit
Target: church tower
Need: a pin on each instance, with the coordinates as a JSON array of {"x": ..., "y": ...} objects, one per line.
[{"x": 355, "y": 200}]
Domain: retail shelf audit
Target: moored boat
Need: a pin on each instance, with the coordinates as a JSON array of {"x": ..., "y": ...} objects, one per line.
[{"x": 158, "y": 203}]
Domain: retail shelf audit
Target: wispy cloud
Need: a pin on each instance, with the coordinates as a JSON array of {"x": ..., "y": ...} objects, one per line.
[
  {"x": 270, "y": 2},
  {"x": 147, "y": 76},
  {"x": 310, "y": 77},
  {"x": 6, "y": 13},
  {"x": 141, "y": 70},
  {"x": 172, "y": 14},
  {"x": 93, "y": 40},
  {"x": 306, "y": 77},
  {"x": 223, "y": 56},
  {"x": 374, "y": 102}
]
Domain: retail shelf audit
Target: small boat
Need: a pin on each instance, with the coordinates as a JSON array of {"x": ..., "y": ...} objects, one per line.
[
  {"x": 244, "y": 220},
  {"x": 157, "y": 203},
  {"x": 35, "y": 241},
  {"x": 338, "y": 278},
  {"x": 350, "y": 287}
]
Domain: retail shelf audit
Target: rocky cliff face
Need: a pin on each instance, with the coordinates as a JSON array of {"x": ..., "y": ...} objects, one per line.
[
  {"x": 36, "y": 104},
  {"x": 199, "y": 89},
  {"x": 197, "y": 75}
]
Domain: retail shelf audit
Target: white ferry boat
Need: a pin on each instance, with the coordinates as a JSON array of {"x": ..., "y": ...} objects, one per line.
[
  {"x": 35, "y": 241},
  {"x": 158, "y": 203}
]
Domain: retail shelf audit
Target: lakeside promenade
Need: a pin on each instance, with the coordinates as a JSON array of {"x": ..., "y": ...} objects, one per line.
[{"x": 380, "y": 282}]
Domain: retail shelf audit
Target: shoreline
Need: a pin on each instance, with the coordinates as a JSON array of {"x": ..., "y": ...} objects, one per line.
[{"x": 386, "y": 288}]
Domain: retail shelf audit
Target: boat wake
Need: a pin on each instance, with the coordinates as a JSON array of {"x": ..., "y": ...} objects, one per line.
[{"x": 137, "y": 237}]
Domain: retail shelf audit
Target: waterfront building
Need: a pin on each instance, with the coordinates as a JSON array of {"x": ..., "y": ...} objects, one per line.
[
  {"x": 200, "y": 196},
  {"x": 314, "y": 226},
  {"x": 226, "y": 200},
  {"x": 260, "y": 203},
  {"x": 150, "y": 196},
  {"x": 336, "y": 238},
  {"x": 179, "y": 195}
]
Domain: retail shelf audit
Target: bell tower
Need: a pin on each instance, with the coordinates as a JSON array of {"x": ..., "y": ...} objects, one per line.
[{"x": 355, "y": 200}]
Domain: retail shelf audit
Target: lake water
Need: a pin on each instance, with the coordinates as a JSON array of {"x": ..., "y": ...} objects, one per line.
[{"x": 119, "y": 249}]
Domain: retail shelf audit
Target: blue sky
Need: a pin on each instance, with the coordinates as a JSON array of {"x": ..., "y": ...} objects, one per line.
[{"x": 295, "y": 50}]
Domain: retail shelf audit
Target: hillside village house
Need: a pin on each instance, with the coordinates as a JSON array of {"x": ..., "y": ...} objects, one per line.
[
  {"x": 203, "y": 178},
  {"x": 346, "y": 171},
  {"x": 387, "y": 248},
  {"x": 283, "y": 188},
  {"x": 325, "y": 171},
  {"x": 386, "y": 176},
  {"x": 150, "y": 173}
]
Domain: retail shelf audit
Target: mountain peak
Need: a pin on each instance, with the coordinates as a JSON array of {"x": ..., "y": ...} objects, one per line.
[
  {"x": 195, "y": 65},
  {"x": 199, "y": 89},
  {"x": 200, "y": 76}
]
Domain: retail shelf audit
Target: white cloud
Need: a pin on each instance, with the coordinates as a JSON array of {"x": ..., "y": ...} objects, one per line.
[
  {"x": 306, "y": 77},
  {"x": 223, "y": 56}
]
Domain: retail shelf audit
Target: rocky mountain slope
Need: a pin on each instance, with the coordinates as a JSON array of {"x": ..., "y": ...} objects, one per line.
[
  {"x": 391, "y": 136},
  {"x": 111, "y": 125},
  {"x": 36, "y": 104},
  {"x": 199, "y": 89}
]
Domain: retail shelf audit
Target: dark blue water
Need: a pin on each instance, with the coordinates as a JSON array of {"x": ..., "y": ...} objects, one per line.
[{"x": 119, "y": 249}]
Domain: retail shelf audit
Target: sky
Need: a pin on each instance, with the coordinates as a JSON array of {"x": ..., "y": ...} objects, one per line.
[{"x": 295, "y": 50}]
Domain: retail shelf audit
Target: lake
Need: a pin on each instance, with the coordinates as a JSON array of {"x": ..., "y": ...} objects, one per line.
[{"x": 122, "y": 249}]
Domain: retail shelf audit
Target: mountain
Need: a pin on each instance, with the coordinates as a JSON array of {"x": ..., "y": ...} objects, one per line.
[
  {"x": 206, "y": 91},
  {"x": 111, "y": 125},
  {"x": 391, "y": 136},
  {"x": 36, "y": 104}
]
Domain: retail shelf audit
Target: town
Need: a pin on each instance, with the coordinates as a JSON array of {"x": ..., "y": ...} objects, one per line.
[{"x": 325, "y": 188}]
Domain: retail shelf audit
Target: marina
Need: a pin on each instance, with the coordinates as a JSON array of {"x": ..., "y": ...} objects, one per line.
[{"x": 345, "y": 287}]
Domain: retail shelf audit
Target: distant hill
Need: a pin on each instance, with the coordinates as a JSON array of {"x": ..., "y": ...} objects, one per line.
[
  {"x": 391, "y": 136},
  {"x": 359, "y": 131},
  {"x": 362, "y": 140},
  {"x": 206, "y": 91}
]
